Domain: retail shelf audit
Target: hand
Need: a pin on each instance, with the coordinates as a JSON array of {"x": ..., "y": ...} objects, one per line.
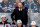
[
  {"x": 4, "y": 8},
  {"x": 14, "y": 21}
]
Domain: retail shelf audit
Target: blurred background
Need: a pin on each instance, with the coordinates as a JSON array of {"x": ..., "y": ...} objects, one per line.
[
  {"x": 32, "y": 5},
  {"x": 33, "y": 9}
]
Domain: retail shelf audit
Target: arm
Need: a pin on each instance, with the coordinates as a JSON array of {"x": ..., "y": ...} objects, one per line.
[
  {"x": 13, "y": 15},
  {"x": 13, "y": 19},
  {"x": 26, "y": 15},
  {"x": 4, "y": 8}
]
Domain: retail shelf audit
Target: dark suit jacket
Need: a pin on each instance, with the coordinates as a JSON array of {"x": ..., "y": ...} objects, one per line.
[{"x": 22, "y": 15}]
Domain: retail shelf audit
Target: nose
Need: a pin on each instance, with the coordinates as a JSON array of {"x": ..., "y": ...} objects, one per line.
[{"x": 4, "y": 19}]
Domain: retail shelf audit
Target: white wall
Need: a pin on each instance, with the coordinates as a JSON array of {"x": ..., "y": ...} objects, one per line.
[{"x": 1, "y": 0}]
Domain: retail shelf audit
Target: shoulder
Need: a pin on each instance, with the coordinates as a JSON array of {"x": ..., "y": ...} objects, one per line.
[
  {"x": 8, "y": 23},
  {"x": 15, "y": 9},
  {"x": 24, "y": 10},
  {"x": 0, "y": 22},
  {"x": 2, "y": 2}
]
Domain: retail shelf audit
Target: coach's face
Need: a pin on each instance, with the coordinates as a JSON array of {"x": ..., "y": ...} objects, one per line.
[
  {"x": 5, "y": 0},
  {"x": 20, "y": 5}
]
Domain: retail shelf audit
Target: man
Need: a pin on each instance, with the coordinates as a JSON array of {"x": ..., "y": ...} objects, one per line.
[
  {"x": 5, "y": 6},
  {"x": 20, "y": 13},
  {"x": 4, "y": 21},
  {"x": 19, "y": 24},
  {"x": 33, "y": 24}
]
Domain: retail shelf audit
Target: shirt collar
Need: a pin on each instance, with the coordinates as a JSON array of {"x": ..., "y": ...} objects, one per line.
[{"x": 20, "y": 9}]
